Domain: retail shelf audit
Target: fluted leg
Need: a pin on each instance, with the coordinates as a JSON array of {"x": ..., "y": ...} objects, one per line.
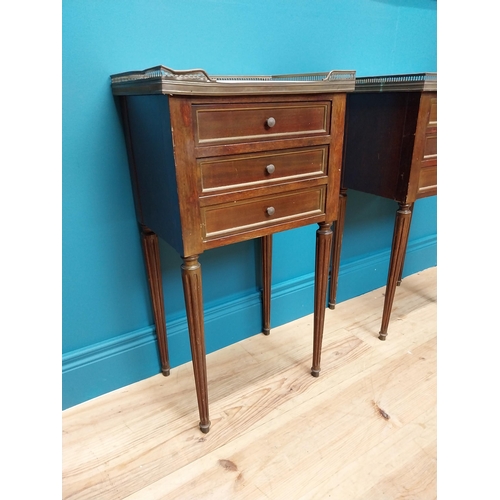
[
  {"x": 191, "y": 281},
  {"x": 337, "y": 247},
  {"x": 399, "y": 242},
  {"x": 324, "y": 237},
  {"x": 400, "y": 278},
  {"x": 267, "y": 251},
  {"x": 153, "y": 269}
]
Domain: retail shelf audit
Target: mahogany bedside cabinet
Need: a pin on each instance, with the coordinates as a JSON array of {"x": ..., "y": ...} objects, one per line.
[
  {"x": 218, "y": 160},
  {"x": 390, "y": 150}
]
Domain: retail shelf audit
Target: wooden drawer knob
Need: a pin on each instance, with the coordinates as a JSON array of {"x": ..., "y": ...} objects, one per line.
[
  {"x": 270, "y": 122},
  {"x": 270, "y": 168},
  {"x": 270, "y": 210}
]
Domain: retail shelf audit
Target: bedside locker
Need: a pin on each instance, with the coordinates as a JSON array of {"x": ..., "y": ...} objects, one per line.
[
  {"x": 218, "y": 160},
  {"x": 390, "y": 150}
]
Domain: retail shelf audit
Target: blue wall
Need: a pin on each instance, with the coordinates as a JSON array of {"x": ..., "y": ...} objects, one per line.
[{"x": 108, "y": 332}]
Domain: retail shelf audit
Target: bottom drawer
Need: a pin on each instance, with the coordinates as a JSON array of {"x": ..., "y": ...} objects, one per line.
[
  {"x": 231, "y": 218},
  {"x": 427, "y": 182}
]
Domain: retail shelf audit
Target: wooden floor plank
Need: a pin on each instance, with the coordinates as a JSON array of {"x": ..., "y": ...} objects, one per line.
[
  {"x": 276, "y": 431},
  {"x": 258, "y": 457}
]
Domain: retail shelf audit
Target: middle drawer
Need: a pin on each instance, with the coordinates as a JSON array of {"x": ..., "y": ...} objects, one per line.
[{"x": 231, "y": 172}]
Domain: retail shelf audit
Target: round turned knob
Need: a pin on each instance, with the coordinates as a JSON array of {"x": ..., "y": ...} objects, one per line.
[
  {"x": 270, "y": 122},
  {"x": 270, "y": 210},
  {"x": 270, "y": 168}
]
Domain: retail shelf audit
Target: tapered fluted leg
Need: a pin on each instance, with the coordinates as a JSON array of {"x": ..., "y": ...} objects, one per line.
[
  {"x": 400, "y": 278},
  {"x": 399, "y": 242},
  {"x": 337, "y": 247},
  {"x": 152, "y": 260},
  {"x": 324, "y": 237},
  {"x": 191, "y": 281},
  {"x": 267, "y": 252}
]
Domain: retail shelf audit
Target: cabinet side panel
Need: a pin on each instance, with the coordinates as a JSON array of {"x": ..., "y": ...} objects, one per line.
[
  {"x": 375, "y": 128},
  {"x": 409, "y": 141},
  {"x": 131, "y": 160},
  {"x": 152, "y": 150},
  {"x": 335, "y": 155}
]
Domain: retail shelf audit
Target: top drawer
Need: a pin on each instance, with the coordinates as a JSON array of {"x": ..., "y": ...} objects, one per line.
[
  {"x": 430, "y": 146},
  {"x": 231, "y": 123}
]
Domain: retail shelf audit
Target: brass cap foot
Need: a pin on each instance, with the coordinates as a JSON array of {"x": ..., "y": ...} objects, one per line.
[{"x": 205, "y": 427}]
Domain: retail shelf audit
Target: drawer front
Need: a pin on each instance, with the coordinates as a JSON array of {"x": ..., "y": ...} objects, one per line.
[
  {"x": 430, "y": 147},
  {"x": 433, "y": 114},
  {"x": 245, "y": 215},
  {"x": 428, "y": 177},
  {"x": 427, "y": 180},
  {"x": 229, "y": 123},
  {"x": 233, "y": 172}
]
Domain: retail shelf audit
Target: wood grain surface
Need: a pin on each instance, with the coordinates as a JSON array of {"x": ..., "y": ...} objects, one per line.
[{"x": 365, "y": 429}]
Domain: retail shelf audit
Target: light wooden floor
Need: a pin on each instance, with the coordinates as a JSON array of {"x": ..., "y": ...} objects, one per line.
[{"x": 365, "y": 429}]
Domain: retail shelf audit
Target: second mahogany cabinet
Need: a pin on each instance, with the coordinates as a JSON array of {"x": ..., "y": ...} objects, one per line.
[{"x": 390, "y": 150}]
